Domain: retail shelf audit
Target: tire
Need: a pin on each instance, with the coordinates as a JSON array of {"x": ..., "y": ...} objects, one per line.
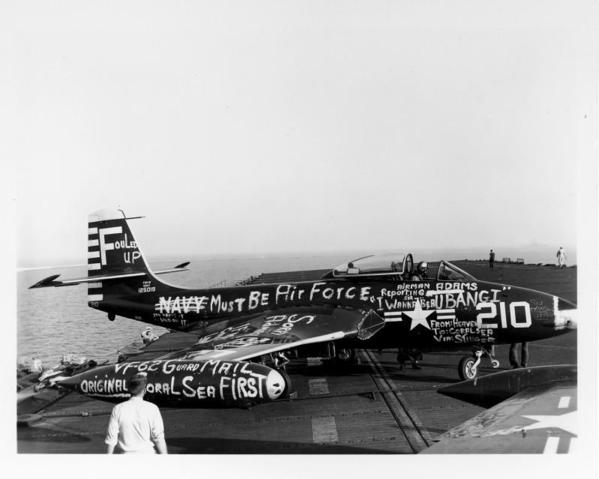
[
  {"x": 466, "y": 368},
  {"x": 345, "y": 358},
  {"x": 345, "y": 355}
]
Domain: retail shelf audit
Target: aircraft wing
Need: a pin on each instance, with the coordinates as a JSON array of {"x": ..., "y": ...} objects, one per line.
[
  {"x": 252, "y": 336},
  {"x": 532, "y": 410}
]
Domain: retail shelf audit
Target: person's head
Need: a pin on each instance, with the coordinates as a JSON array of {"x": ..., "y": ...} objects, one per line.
[
  {"x": 422, "y": 267},
  {"x": 137, "y": 384}
]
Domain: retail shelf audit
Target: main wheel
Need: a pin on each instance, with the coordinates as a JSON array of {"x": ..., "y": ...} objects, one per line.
[
  {"x": 467, "y": 368},
  {"x": 346, "y": 358}
]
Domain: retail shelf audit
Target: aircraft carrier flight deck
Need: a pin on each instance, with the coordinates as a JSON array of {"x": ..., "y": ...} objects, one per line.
[{"x": 373, "y": 407}]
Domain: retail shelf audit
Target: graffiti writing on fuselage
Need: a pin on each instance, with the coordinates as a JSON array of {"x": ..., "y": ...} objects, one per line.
[
  {"x": 283, "y": 294},
  {"x": 194, "y": 380},
  {"x": 456, "y": 331},
  {"x": 454, "y": 312},
  {"x": 446, "y": 295},
  {"x": 483, "y": 305},
  {"x": 121, "y": 244},
  {"x": 275, "y": 325},
  {"x": 214, "y": 367}
]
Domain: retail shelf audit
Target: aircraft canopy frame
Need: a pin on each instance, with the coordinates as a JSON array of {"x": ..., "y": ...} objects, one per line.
[
  {"x": 450, "y": 272},
  {"x": 375, "y": 265}
]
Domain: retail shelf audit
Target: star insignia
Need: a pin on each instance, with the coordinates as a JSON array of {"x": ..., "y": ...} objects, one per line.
[
  {"x": 566, "y": 422},
  {"x": 418, "y": 316}
]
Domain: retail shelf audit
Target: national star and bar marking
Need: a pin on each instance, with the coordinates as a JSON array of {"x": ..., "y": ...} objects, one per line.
[
  {"x": 566, "y": 422},
  {"x": 418, "y": 316}
]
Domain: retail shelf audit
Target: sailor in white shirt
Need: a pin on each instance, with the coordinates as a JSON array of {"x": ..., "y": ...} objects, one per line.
[{"x": 136, "y": 425}]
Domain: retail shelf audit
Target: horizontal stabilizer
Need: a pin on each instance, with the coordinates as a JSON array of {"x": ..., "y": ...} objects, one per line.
[
  {"x": 51, "y": 281},
  {"x": 176, "y": 269}
]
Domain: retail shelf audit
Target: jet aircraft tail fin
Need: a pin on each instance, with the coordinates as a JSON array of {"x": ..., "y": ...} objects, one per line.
[
  {"x": 111, "y": 247},
  {"x": 116, "y": 266},
  {"x": 114, "y": 259}
]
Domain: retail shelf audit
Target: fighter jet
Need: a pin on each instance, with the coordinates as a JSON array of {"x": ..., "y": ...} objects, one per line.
[{"x": 372, "y": 302}]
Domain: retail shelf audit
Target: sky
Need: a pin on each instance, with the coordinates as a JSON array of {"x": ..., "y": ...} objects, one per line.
[{"x": 288, "y": 126}]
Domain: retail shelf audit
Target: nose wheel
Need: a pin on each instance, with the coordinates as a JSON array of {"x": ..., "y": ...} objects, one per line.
[{"x": 468, "y": 367}]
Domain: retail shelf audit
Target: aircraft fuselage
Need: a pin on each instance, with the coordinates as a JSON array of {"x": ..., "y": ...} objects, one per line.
[{"x": 427, "y": 314}]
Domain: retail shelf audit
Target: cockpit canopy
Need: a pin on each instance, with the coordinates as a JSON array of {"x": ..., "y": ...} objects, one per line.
[
  {"x": 375, "y": 265},
  {"x": 450, "y": 272},
  {"x": 397, "y": 266}
]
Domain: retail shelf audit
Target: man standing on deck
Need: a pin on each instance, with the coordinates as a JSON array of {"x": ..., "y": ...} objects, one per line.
[
  {"x": 491, "y": 258},
  {"x": 136, "y": 425},
  {"x": 561, "y": 257},
  {"x": 514, "y": 355}
]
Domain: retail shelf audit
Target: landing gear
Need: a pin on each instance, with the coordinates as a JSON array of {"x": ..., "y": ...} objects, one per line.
[
  {"x": 347, "y": 357},
  {"x": 111, "y": 316},
  {"x": 468, "y": 367},
  {"x": 280, "y": 360}
]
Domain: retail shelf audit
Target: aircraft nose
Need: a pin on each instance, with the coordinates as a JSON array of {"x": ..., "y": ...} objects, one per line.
[
  {"x": 566, "y": 314},
  {"x": 567, "y": 319},
  {"x": 71, "y": 382},
  {"x": 275, "y": 384}
]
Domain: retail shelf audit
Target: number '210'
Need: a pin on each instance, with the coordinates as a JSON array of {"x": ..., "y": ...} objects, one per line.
[{"x": 513, "y": 317}]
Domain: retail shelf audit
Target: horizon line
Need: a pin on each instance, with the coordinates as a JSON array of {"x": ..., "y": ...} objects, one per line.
[{"x": 163, "y": 257}]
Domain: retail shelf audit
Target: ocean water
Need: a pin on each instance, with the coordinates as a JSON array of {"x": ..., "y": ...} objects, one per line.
[{"x": 57, "y": 321}]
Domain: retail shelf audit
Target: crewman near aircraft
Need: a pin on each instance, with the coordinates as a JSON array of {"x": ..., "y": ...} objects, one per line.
[
  {"x": 515, "y": 363},
  {"x": 412, "y": 354},
  {"x": 136, "y": 425},
  {"x": 409, "y": 354},
  {"x": 491, "y": 258},
  {"x": 561, "y": 257}
]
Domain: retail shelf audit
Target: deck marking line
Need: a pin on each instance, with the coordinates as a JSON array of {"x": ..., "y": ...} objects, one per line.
[
  {"x": 417, "y": 436},
  {"x": 318, "y": 386},
  {"x": 572, "y": 448},
  {"x": 324, "y": 429},
  {"x": 564, "y": 402},
  {"x": 551, "y": 445}
]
